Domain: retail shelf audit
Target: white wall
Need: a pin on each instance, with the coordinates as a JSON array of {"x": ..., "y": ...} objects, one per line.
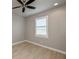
[
  {"x": 56, "y": 28},
  {"x": 17, "y": 28}
]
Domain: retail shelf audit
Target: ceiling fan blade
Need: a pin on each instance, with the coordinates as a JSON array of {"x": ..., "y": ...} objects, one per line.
[
  {"x": 23, "y": 9},
  {"x": 30, "y": 1},
  {"x": 16, "y": 7},
  {"x": 20, "y": 2},
  {"x": 31, "y": 7}
]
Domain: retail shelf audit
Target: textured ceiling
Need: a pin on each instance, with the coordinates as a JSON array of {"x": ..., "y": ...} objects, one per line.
[{"x": 41, "y": 5}]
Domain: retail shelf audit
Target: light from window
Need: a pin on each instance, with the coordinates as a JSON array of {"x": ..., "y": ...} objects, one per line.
[{"x": 41, "y": 26}]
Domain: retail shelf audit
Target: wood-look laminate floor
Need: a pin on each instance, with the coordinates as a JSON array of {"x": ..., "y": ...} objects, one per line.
[{"x": 30, "y": 51}]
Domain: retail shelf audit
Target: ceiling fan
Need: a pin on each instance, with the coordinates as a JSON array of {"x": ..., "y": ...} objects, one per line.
[{"x": 25, "y": 4}]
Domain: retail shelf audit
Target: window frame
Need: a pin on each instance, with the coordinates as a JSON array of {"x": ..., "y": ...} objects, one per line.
[{"x": 40, "y": 35}]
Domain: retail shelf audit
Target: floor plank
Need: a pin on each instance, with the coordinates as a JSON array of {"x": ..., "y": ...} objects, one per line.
[{"x": 30, "y": 51}]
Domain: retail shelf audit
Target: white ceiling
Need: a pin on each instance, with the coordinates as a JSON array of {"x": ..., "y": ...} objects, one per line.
[{"x": 40, "y": 5}]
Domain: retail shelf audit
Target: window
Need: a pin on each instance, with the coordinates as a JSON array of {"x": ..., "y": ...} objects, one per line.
[{"x": 41, "y": 26}]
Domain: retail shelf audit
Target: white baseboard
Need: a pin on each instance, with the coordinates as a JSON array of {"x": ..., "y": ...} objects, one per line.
[
  {"x": 19, "y": 42},
  {"x": 53, "y": 49}
]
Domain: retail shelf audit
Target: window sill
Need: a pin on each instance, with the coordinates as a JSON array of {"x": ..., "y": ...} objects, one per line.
[{"x": 41, "y": 36}]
